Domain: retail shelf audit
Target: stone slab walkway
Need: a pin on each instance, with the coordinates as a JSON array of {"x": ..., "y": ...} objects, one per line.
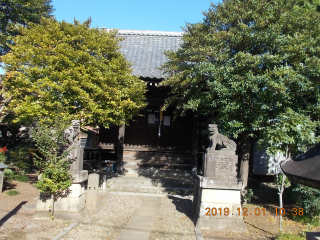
[{"x": 141, "y": 223}]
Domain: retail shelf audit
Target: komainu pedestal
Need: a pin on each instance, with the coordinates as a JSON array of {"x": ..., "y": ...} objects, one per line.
[{"x": 217, "y": 199}]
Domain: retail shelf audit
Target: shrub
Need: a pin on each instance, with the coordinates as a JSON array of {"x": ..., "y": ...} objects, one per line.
[
  {"x": 8, "y": 175},
  {"x": 19, "y": 158},
  {"x": 22, "y": 178},
  {"x": 309, "y": 199}
]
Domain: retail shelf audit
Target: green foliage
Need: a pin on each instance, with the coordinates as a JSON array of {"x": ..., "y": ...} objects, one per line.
[
  {"x": 8, "y": 175},
  {"x": 248, "y": 195},
  {"x": 22, "y": 178},
  {"x": 69, "y": 71},
  {"x": 52, "y": 161},
  {"x": 20, "y": 12},
  {"x": 3, "y": 154},
  {"x": 306, "y": 219},
  {"x": 290, "y": 237},
  {"x": 309, "y": 199},
  {"x": 12, "y": 192},
  {"x": 291, "y": 133},
  {"x": 279, "y": 178},
  {"x": 19, "y": 159},
  {"x": 249, "y": 62}
]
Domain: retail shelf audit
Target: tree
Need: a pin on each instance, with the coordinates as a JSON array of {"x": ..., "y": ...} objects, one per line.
[
  {"x": 20, "y": 12},
  {"x": 52, "y": 159},
  {"x": 246, "y": 63},
  {"x": 289, "y": 135},
  {"x": 63, "y": 70},
  {"x": 13, "y": 13}
]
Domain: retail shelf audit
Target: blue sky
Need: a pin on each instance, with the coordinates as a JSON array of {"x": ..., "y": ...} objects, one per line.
[{"x": 159, "y": 15}]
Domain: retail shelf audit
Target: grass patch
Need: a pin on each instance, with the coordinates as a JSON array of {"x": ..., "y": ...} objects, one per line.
[
  {"x": 305, "y": 219},
  {"x": 12, "y": 192},
  {"x": 22, "y": 178},
  {"x": 290, "y": 237}
]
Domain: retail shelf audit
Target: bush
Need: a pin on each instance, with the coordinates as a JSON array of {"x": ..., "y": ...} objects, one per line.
[
  {"x": 22, "y": 178},
  {"x": 305, "y": 219},
  {"x": 308, "y": 199},
  {"x": 19, "y": 158},
  {"x": 8, "y": 175}
]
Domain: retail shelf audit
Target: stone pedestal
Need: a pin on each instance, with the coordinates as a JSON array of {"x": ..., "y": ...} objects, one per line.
[
  {"x": 217, "y": 209},
  {"x": 217, "y": 199},
  {"x": 1, "y": 180},
  {"x": 92, "y": 192}
]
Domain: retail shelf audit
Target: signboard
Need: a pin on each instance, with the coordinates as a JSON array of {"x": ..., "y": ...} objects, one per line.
[
  {"x": 151, "y": 118},
  {"x": 166, "y": 120}
]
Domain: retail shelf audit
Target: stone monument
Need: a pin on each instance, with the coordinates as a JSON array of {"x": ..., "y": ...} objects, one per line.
[
  {"x": 217, "y": 201},
  {"x": 69, "y": 205}
]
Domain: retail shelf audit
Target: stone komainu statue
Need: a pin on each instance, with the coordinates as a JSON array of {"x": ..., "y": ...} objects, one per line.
[
  {"x": 219, "y": 141},
  {"x": 72, "y": 132}
]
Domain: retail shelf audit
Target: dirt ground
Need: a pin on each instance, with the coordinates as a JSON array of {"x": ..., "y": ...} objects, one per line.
[{"x": 16, "y": 221}]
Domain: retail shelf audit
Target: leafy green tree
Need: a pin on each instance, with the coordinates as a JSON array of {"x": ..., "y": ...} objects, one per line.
[
  {"x": 288, "y": 135},
  {"x": 20, "y": 12},
  {"x": 246, "y": 63},
  {"x": 62, "y": 70},
  {"x": 52, "y": 159},
  {"x": 13, "y": 13}
]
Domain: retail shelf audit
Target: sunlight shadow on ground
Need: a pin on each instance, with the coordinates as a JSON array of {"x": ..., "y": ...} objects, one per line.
[{"x": 11, "y": 213}]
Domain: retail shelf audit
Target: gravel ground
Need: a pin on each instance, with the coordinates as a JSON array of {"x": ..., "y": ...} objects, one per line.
[
  {"x": 107, "y": 222},
  {"x": 173, "y": 220}
]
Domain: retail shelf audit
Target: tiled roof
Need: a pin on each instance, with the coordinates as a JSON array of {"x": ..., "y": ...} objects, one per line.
[{"x": 144, "y": 49}]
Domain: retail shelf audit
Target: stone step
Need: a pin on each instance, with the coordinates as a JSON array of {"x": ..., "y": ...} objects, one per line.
[
  {"x": 170, "y": 157},
  {"x": 154, "y": 182},
  {"x": 151, "y": 189},
  {"x": 157, "y": 173},
  {"x": 155, "y": 154},
  {"x": 144, "y": 165}
]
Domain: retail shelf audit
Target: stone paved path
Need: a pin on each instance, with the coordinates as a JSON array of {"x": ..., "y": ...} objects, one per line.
[{"x": 141, "y": 223}]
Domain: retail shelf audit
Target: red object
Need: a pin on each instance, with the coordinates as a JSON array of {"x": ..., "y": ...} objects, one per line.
[{"x": 4, "y": 149}]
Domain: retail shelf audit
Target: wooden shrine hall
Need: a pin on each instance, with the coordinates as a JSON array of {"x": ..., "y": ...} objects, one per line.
[{"x": 144, "y": 49}]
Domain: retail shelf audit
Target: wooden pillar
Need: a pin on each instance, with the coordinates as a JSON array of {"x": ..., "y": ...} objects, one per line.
[
  {"x": 195, "y": 137},
  {"x": 120, "y": 148}
]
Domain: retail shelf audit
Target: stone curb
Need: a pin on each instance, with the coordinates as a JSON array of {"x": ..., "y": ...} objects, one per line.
[
  {"x": 66, "y": 230},
  {"x": 198, "y": 233}
]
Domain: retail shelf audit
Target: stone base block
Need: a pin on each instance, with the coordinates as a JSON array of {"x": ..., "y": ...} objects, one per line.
[
  {"x": 221, "y": 196},
  {"x": 76, "y": 190},
  {"x": 80, "y": 176},
  {"x": 44, "y": 203},
  {"x": 219, "y": 210},
  {"x": 76, "y": 204},
  {"x": 221, "y": 225},
  {"x": 73, "y": 201}
]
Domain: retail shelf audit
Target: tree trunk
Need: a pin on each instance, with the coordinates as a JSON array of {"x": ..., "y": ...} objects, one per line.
[
  {"x": 280, "y": 201},
  {"x": 52, "y": 209},
  {"x": 245, "y": 147}
]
